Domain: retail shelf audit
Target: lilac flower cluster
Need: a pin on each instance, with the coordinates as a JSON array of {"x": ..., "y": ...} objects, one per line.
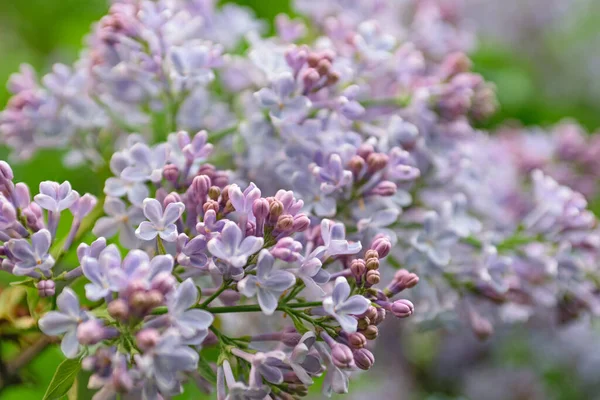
[{"x": 354, "y": 173}]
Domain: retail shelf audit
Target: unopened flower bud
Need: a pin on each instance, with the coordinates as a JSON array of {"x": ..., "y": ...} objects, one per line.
[
  {"x": 91, "y": 332},
  {"x": 211, "y": 205},
  {"x": 371, "y": 254},
  {"x": 364, "y": 359},
  {"x": 382, "y": 245},
  {"x": 373, "y": 277},
  {"x": 118, "y": 309},
  {"x": 356, "y": 165},
  {"x": 371, "y": 313},
  {"x": 146, "y": 339},
  {"x": 172, "y": 197},
  {"x": 333, "y": 77},
  {"x": 385, "y": 189},
  {"x": 342, "y": 355},
  {"x": 171, "y": 173},
  {"x": 372, "y": 264},
  {"x": 402, "y": 308},
  {"x": 200, "y": 186},
  {"x": 313, "y": 59},
  {"x": 357, "y": 340},
  {"x": 290, "y": 339},
  {"x": 371, "y": 332},
  {"x": 164, "y": 283},
  {"x": 381, "y": 313},
  {"x": 301, "y": 223},
  {"x": 365, "y": 150},
  {"x": 155, "y": 298},
  {"x": 309, "y": 78},
  {"x": 358, "y": 268},
  {"x": 363, "y": 323},
  {"x": 22, "y": 195},
  {"x": 323, "y": 67},
  {"x": 377, "y": 162},
  {"x": 46, "y": 288},
  {"x": 284, "y": 222},
  {"x": 275, "y": 210},
  {"x": 229, "y": 208},
  {"x": 214, "y": 192}
]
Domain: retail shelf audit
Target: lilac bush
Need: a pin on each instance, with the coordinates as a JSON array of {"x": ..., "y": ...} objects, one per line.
[{"x": 334, "y": 166}]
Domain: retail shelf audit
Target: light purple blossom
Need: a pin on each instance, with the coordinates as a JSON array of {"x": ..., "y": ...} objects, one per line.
[
  {"x": 147, "y": 163},
  {"x": 242, "y": 202},
  {"x": 65, "y": 322},
  {"x": 231, "y": 246},
  {"x": 344, "y": 307},
  {"x": 210, "y": 227},
  {"x": 435, "y": 240},
  {"x": 334, "y": 239},
  {"x": 54, "y": 197},
  {"x": 281, "y": 101},
  {"x": 303, "y": 363},
  {"x": 332, "y": 175},
  {"x": 268, "y": 284},
  {"x": 120, "y": 220},
  {"x": 191, "y": 323},
  {"x": 28, "y": 256},
  {"x": 117, "y": 186},
  {"x": 160, "y": 223},
  {"x": 192, "y": 251}
]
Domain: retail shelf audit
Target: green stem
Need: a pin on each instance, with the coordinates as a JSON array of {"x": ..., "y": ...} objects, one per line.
[
  {"x": 216, "y": 294},
  {"x": 161, "y": 246}
]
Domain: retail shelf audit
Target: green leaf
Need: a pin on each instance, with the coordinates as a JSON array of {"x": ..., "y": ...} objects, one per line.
[
  {"x": 206, "y": 371},
  {"x": 33, "y": 298},
  {"x": 29, "y": 282},
  {"x": 63, "y": 379}
]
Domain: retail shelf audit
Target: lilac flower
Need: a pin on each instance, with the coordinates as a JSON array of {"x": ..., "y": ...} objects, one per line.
[
  {"x": 312, "y": 273},
  {"x": 83, "y": 206},
  {"x": 159, "y": 223},
  {"x": 334, "y": 238},
  {"x": 197, "y": 148},
  {"x": 162, "y": 365},
  {"x": 322, "y": 204},
  {"x": 267, "y": 365},
  {"x": 336, "y": 380},
  {"x": 120, "y": 219},
  {"x": 210, "y": 227},
  {"x": 455, "y": 213},
  {"x": 104, "y": 273},
  {"x": 65, "y": 322},
  {"x": 242, "y": 202},
  {"x": 147, "y": 163},
  {"x": 239, "y": 390},
  {"x": 400, "y": 166},
  {"x": 27, "y": 257},
  {"x": 93, "y": 250},
  {"x": 117, "y": 186},
  {"x": 280, "y": 100},
  {"x": 191, "y": 323},
  {"x": 267, "y": 285},
  {"x": 231, "y": 247},
  {"x": 192, "y": 251},
  {"x": 342, "y": 307},
  {"x": 54, "y": 197},
  {"x": 302, "y": 362},
  {"x": 193, "y": 63},
  {"x": 332, "y": 175},
  {"x": 435, "y": 240}
]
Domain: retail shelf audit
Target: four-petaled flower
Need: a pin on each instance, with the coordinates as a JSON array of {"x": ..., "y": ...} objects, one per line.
[
  {"x": 65, "y": 322},
  {"x": 302, "y": 362},
  {"x": 120, "y": 219},
  {"x": 231, "y": 247},
  {"x": 54, "y": 197},
  {"x": 30, "y": 256},
  {"x": 268, "y": 284},
  {"x": 343, "y": 307},
  {"x": 191, "y": 323},
  {"x": 281, "y": 101},
  {"x": 159, "y": 223}
]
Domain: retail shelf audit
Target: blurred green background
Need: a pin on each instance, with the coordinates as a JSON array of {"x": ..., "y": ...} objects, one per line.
[{"x": 41, "y": 32}]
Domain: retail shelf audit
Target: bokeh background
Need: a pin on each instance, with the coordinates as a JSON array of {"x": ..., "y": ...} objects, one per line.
[{"x": 543, "y": 57}]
